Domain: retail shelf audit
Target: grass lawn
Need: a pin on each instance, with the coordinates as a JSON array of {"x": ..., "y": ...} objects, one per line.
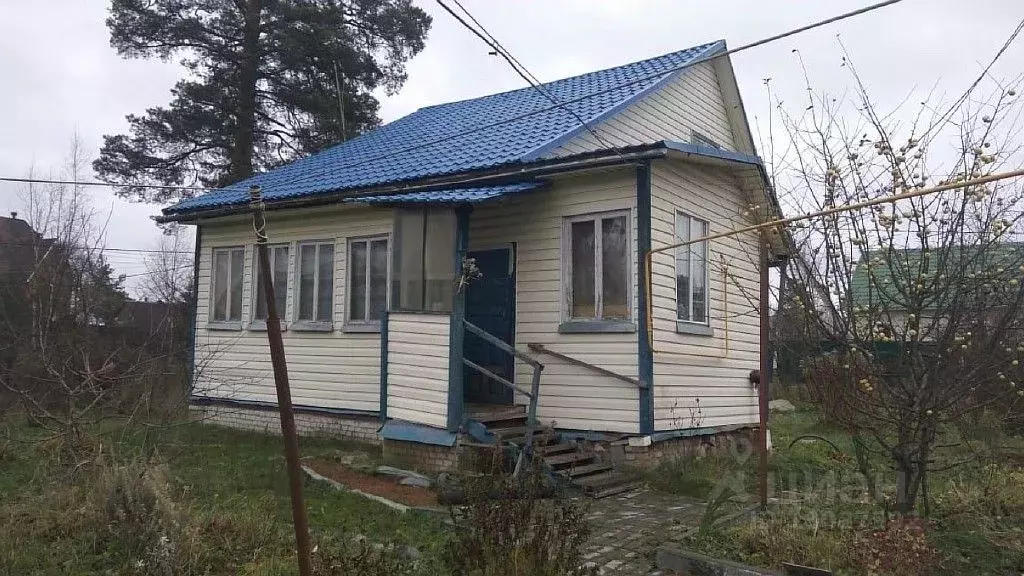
[
  {"x": 227, "y": 490},
  {"x": 824, "y": 517}
]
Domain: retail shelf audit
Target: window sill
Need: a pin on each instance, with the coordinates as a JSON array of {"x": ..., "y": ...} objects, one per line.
[
  {"x": 361, "y": 328},
  {"x": 684, "y": 327},
  {"x": 225, "y": 326},
  {"x": 596, "y": 326},
  {"x": 309, "y": 326},
  {"x": 261, "y": 326}
]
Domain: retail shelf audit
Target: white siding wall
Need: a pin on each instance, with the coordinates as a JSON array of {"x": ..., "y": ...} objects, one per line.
[
  {"x": 691, "y": 102},
  {"x": 333, "y": 369},
  {"x": 696, "y": 383},
  {"x": 418, "y": 368},
  {"x": 575, "y": 398}
]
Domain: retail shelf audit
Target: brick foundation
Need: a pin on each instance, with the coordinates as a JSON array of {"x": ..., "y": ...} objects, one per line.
[
  {"x": 738, "y": 440},
  {"x": 426, "y": 458},
  {"x": 266, "y": 420}
]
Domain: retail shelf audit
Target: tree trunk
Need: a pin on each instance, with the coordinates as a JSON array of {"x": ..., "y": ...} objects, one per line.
[{"x": 242, "y": 153}]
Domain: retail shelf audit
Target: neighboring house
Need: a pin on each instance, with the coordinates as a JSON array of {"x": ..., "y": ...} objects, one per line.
[
  {"x": 18, "y": 245},
  {"x": 367, "y": 237},
  {"x": 883, "y": 287}
]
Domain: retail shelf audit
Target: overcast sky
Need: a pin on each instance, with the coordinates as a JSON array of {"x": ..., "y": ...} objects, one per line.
[{"x": 61, "y": 76}]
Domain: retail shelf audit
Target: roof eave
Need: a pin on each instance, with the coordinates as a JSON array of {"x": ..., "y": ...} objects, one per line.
[{"x": 507, "y": 173}]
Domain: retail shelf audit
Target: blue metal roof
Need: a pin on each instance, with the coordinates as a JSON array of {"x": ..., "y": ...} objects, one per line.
[
  {"x": 517, "y": 126},
  {"x": 451, "y": 195}
]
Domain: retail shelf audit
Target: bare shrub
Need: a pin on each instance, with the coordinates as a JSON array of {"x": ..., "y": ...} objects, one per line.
[{"x": 508, "y": 528}]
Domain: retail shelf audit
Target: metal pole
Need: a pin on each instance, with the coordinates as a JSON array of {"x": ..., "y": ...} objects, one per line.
[
  {"x": 763, "y": 383},
  {"x": 284, "y": 395}
]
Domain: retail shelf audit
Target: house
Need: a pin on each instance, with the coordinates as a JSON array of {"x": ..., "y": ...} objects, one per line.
[
  {"x": 913, "y": 293},
  {"x": 405, "y": 257}
]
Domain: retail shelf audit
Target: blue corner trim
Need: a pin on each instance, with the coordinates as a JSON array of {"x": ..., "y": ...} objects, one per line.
[
  {"x": 456, "y": 334},
  {"x": 384, "y": 367},
  {"x": 262, "y": 405},
  {"x": 411, "y": 432},
  {"x": 193, "y": 333},
  {"x": 645, "y": 357},
  {"x": 554, "y": 143}
]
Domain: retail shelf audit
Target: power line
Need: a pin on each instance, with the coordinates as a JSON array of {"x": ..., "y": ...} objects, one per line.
[
  {"x": 99, "y": 249},
  {"x": 519, "y": 67},
  {"x": 107, "y": 184},
  {"x": 563, "y": 104},
  {"x": 696, "y": 61}
]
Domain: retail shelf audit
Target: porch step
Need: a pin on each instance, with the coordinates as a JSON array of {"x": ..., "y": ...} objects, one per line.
[
  {"x": 607, "y": 483},
  {"x": 552, "y": 449},
  {"x": 567, "y": 460},
  {"x": 490, "y": 417},
  {"x": 586, "y": 470}
]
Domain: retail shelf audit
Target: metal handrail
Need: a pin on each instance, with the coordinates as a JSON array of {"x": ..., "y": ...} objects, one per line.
[
  {"x": 533, "y": 394},
  {"x": 577, "y": 362}
]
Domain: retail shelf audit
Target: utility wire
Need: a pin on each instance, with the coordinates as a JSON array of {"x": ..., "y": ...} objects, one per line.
[
  {"x": 100, "y": 249},
  {"x": 516, "y": 118},
  {"x": 520, "y": 68},
  {"x": 700, "y": 60},
  {"x": 108, "y": 184}
]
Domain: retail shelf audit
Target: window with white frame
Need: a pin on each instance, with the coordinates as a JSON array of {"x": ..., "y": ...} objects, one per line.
[
  {"x": 597, "y": 266},
  {"x": 367, "y": 279},
  {"x": 227, "y": 284},
  {"x": 278, "y": 276},
  {"x": 315, "y": 301},
  {"x": 691, "y": 270}
]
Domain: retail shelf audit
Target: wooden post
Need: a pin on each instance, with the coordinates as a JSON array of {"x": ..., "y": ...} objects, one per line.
[{"x": 284, "y": 395}]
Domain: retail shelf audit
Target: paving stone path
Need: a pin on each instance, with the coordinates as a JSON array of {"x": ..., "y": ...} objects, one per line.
[{"x": 627, "y": 529}]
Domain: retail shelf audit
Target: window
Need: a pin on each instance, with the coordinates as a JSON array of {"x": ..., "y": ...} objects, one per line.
[
  {"x": 423, "y": 264},
  {"x": 598, "y": 266},
  {"x": 316, "y": 282},
  {"x": 367, "y": 279},
  {"x": 691, "y": 270},
  {"x": 227, "y": 284},
  {"x": 278, "y": 275}
]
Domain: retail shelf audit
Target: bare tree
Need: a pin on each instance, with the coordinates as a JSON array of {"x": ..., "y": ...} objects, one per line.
[
  {"x": 918, "y": 303},
  {"x": 168, "y": 276}
]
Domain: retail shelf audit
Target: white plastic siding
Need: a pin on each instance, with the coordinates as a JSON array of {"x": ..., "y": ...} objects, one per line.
[
  {"x": 418, "y": 368},
  {"x": 330, "y": 369},
  {"x": 696, "y": 381},
  {"x": 572, "y": 397},
  {"x": 691, "y": 102}
]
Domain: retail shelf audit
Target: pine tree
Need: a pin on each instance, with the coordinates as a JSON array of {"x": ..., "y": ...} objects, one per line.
[{"x": 267, "y": 82}]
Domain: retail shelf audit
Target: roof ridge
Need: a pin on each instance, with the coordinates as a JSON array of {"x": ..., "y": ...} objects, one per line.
[{"x": 699, "y": 47}]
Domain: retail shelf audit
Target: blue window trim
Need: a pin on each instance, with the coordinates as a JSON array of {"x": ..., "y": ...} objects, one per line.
[
  {"x": 456, "y": 333},
  {"x": 597, "y": 326},
  {"x": 645, "y": 356}
]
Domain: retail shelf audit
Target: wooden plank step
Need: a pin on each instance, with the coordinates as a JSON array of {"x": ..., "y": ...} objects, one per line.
[
  {"x": 553, "y": 449},
  {"x": 617, "y": 489},
  {"x": 509, "y": 431},
  {"x": 586, "y": 470},
  {"x": 562, "y": 460},
  {"x": 602, "y": 480},
  {"x": 488, "y": 417}
]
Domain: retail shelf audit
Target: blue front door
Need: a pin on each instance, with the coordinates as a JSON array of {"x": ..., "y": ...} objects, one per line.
[{"x": 490, "y": 304}]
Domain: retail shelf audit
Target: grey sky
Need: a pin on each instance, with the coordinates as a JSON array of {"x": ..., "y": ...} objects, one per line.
[{"x": 60, "y": 74}]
